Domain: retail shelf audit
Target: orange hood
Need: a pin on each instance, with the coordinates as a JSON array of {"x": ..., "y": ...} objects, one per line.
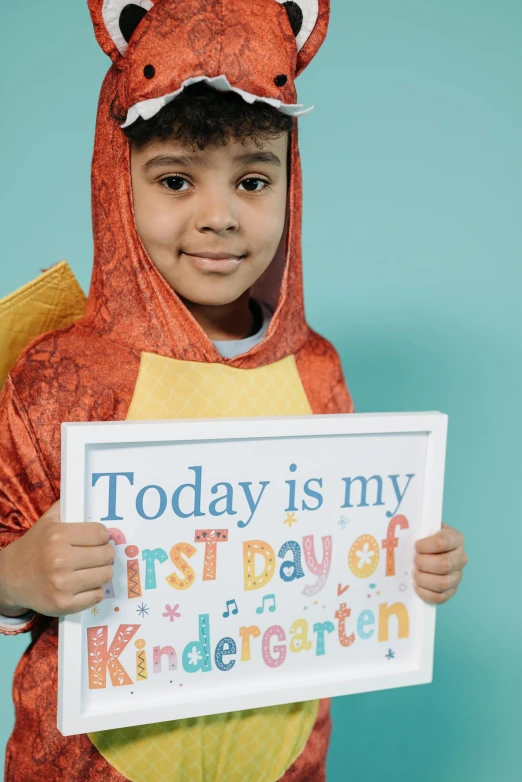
[{"x": 231, "y": 44}]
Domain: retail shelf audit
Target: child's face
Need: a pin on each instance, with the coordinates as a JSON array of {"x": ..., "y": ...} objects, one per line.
[{"x": 191, "y": 204}]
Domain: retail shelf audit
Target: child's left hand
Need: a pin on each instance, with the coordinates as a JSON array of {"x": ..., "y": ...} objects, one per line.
[{"x": 439, "y": 562}]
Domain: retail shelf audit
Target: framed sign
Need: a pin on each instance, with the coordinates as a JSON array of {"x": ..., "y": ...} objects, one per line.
[{"x": 257, "y": 561}]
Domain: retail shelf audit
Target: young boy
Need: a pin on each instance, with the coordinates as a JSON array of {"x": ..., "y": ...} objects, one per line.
[{"x": 197, "y": 273}]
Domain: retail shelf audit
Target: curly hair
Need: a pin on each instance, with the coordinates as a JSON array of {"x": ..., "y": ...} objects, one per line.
[{"x": 203, "y": 116}]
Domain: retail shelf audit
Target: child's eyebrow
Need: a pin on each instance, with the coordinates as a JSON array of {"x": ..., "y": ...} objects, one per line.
[{"x": 188, "y": 160}]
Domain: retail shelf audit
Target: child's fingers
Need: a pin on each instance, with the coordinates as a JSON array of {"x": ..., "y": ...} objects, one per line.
[
  {"x": 447, "y": 539},
  {"x": 434, "y": 597},
  {"x": 84, "y": 600},
  {"x": 437, "y": 583},
  {"x": 92, "y": 578},
  {"x": 441, "y": 564},
  {"x": 87, "y": 533},
  {"x": 82, "y": 557}
]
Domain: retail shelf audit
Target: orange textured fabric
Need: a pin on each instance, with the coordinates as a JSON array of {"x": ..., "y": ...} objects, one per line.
[{"x": 87, "y": 371}]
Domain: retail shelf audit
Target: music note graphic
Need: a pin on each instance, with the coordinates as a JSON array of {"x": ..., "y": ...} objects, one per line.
[
  {"x": 262, "y": 606},
  {"x": 234, "y": 610}
]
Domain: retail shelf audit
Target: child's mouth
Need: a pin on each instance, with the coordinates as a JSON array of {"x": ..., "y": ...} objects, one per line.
[{"x": 224, "y": 263}]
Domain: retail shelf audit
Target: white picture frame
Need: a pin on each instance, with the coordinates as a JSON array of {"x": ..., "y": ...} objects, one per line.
[{"x": 348, "y": 450}]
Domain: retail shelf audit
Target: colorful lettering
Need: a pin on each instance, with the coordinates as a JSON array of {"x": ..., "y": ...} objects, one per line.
[
  {"x": 321, "y": 569},
  {"x": 133, "y": 572},
  {"x": 363, "y": 557},
  {"x": 399, "y": 610},
  {"x": 210, "y": 537},
  {"x": 299, "y": 631},
  {"x": 188, "y": 574},
  {"x": 170, "y": 654},
  {"x": 250, "y": 549},
  {"x": 320, "y": 628},
  {"x": 279, "y": 650},
  {"x": 230, "y": 645},
  {"x": 290, "y": 570},
  {"x": 141, "y": 660},
  {"x": 341, "y": 614},
  {"x": 196, "y": 654},
  {"x": 101, "y": 658},
  {"x": 150, "y": 558},
  {"x": 390, "y": 542},
  {"x": 365, "y": 618},
  {"x": 245, "y": 633}
]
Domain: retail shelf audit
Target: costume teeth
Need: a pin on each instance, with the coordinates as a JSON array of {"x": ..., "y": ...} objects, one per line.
[{"x": 149, "y": 108}]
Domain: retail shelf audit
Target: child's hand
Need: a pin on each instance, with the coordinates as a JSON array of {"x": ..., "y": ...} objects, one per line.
[
  {"x": 56, "y": 568},
  {"x": 439, "y": 560}
]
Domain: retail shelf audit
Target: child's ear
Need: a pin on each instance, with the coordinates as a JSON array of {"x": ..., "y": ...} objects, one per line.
[
  {"x": 309, "y": 22},
  {"x": 114, "y": 22}
]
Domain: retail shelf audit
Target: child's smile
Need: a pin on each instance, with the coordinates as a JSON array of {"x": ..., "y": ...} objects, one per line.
[{"x": 209, "y": 261}]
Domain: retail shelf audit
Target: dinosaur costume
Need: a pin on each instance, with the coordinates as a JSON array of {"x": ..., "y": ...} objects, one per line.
[{"x": 133, "y": 350}]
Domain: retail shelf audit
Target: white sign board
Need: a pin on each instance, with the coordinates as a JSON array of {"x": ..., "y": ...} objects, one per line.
[{"x": 258, "y": 561}]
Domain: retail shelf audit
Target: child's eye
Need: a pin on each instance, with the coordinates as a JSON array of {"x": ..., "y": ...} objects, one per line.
[
  {"x": 254, "y": 181},
  {"x": 174, "y": 182},
  {"x": 177, "y": 182}
]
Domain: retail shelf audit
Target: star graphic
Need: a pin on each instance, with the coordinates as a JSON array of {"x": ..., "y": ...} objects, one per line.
[
  {"x": 95, "y": 610},
  {"x": 290, "y": 519},
  {"x": 142, "y": 609},
  {"x": 171, "y": 612},
  {"x": 390, "y": 654}
]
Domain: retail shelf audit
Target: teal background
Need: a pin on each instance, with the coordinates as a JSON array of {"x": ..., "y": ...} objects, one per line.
[{"x": 412, "y": 253}]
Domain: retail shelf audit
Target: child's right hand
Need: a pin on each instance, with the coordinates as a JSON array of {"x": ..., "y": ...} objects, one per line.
[{"x": 56, "y": 568}]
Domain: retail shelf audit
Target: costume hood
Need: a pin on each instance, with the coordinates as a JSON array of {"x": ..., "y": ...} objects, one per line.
[{"x": 157, "y": 49}]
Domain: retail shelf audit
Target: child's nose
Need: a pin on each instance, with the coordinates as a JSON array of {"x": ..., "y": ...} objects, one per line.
[{"x": 216, "y": 212}]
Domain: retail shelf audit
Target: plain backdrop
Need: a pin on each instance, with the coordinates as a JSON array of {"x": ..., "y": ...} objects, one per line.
[{"x": 412, "y": 246}]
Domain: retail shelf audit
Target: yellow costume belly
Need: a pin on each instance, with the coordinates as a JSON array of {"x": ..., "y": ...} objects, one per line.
[{"x": 256, "y": 745}]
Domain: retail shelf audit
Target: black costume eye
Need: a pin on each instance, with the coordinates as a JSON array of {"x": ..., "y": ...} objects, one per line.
[
  {"x": 130, "y": 17},
  {"x": 295, "y": 15},
  {"x": 121, "y": 18},
  {"x": 302, "y": 15}
]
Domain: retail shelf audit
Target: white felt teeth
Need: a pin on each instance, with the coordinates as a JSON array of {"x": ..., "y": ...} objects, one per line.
[{"x": 149, "y": 108}]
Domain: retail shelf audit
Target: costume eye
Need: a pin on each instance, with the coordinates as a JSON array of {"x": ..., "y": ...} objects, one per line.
[
  {"x": 130, "y": 18},
  {"x": 121, "y": 19},
  {"x": 302, "y": 15}
]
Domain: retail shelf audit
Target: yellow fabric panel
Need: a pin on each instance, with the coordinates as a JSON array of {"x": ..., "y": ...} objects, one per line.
[
  {"x": 51, "y": 301},
  {"x": 255, "y": 745},
  {"x": 168, "y": 388}
]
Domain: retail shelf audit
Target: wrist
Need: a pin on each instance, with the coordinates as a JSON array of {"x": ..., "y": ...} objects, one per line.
[
  {"x": 8, "y": 603},
  {"x": 13, "y": 613}
]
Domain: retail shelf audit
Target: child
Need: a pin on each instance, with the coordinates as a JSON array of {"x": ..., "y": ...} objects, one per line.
[{"x": 182, "y": 174}]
